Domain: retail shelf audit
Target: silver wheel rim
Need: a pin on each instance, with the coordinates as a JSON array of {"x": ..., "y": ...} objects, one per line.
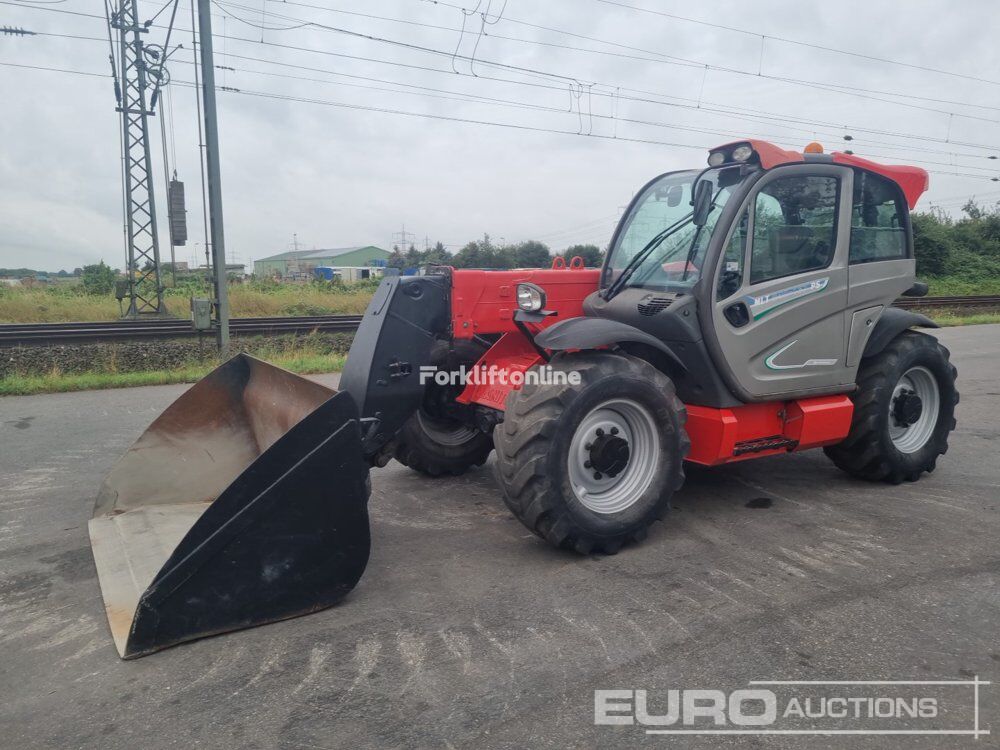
[
  {"x": 921, "y": 382},
  {"x": 453, "y": 434},
  {"x": 636, "y": 425}
]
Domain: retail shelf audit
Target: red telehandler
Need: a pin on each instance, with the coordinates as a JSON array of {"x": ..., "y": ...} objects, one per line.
[{"x": 743, "y": 310}]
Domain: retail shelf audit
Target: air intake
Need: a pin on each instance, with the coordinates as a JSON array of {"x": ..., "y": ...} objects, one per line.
[{"x": 653, "y": 305}]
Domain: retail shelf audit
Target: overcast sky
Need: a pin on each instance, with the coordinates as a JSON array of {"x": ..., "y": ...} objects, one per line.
[{"x": 339, "y": 176}]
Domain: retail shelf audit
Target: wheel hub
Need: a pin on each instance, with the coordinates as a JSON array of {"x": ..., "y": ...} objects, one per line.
[
  {"x": 609, "y": 453},
  {"x": 613, "y": 455},
  {"x": 914, "y": 409},
  {"x": 907, "y": 408}
]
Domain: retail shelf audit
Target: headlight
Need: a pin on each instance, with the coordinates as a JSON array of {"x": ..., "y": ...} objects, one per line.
[
  {"x": 530, "y": 298},
  {"x": 716, "y": 158},
  {"x": 742, "y": 153}
]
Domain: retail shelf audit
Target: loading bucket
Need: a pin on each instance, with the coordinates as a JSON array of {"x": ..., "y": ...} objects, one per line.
[{"x": 245, "y": 502}]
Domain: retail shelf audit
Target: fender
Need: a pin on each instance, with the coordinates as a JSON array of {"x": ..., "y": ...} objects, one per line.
[
  {"x": 890, "y": 324},
  {"x": 593, "y": 333}
]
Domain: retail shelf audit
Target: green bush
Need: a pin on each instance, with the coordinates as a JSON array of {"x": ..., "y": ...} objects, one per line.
[{"x": 98, "y": 279}]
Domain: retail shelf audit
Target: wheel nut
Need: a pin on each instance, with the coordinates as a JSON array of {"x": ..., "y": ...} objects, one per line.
[
  {"x": 599, "y": 432},
  {"x": 597, "y": 475},
  {"x": 586, "y": 464},
  {"x": 614, "y": 430},
  {"x": 588, "y": 446}
]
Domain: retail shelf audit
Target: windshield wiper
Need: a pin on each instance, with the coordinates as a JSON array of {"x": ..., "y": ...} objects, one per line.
[{"x": 618, "y": 284}]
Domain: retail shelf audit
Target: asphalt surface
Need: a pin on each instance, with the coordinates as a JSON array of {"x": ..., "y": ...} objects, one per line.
[{"x": 466, "y": 631}]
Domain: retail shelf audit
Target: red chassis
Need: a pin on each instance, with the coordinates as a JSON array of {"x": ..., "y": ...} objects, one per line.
[{"x": 483, "y": 303}]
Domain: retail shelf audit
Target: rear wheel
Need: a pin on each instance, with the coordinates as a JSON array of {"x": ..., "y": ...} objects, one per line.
[
  {"x": 591, "y": 466},
  {"x": 904, "y": 409},
  {"x": 437, "y": 441}
]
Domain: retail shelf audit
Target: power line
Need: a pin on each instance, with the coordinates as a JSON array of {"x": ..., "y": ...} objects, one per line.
[
  {"x": 661, "y": 57},
  {"x": 798, "y": 42},
  {"x": 513, "y": 125},
  {"x": 476, "y": 98},
  {"x": 567, "y": 78},
  {"x": 739, "y": 112}
]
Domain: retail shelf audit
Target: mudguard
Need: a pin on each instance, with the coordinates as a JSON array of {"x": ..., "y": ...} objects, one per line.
[
  {"x": 891, "y": 323},
  {"x": 594, "y": 333}
]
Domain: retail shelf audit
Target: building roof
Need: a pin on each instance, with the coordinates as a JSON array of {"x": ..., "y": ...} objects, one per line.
[{"x": 331, "y": 252}]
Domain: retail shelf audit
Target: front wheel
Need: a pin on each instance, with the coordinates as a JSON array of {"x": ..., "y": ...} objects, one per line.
[
  {"x": 590, "y": 466},
  {"x": 904, "y": 410},
  {"x": 434, "y": 441}
]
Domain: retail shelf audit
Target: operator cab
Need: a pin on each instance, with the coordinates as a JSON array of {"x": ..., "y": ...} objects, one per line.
[{"x": 768, "y": 269}]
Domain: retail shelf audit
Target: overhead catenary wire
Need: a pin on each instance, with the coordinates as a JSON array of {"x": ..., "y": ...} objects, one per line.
[
  {"x": 516, "y": 126},
  {"x": 786, "y": 40},
  {"x": 728, "y": 110},
  {"x": 459, "y": 96},
  {"x": 661, "y": 57}
]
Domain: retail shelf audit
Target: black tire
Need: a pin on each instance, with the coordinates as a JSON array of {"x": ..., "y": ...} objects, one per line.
[
  {"x": 437, "y": 445},
  {"x": 868, "y": 451},
  {"x": 533, "y": 451}
]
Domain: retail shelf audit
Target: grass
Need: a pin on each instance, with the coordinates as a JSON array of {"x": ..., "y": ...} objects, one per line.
[
  {"x": 947, "y": 318},
  {"x": 58, "y": 304},
  {"x": 64, "y": 302},
  {"x": 303, "y": 358},
  {"x": 951, "y": 286}
]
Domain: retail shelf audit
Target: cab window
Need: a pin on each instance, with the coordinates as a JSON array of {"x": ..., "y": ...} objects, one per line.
[
  {"x": 877, "y": 216},
  {"x": 794, "y": 227}
]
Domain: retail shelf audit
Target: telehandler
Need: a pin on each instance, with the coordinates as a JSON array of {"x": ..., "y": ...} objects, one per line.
[{"x": 743, "y": 310}]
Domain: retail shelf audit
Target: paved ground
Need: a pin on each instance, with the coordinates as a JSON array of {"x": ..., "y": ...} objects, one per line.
[{"x": 468, "y": 632}]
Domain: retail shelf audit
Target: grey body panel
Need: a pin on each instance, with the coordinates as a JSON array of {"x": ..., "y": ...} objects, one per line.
[
  {"x": 795, "y": 340},
  {"x": 810, "y": 345},
  {"x": 863, "y": 323}
]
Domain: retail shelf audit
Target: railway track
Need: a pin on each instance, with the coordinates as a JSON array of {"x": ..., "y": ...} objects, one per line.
[
  {"x": 975, "y": 301},
  {"x": 19, "y": 334}
]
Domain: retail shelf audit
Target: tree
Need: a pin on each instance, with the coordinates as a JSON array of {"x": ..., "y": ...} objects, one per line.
[
  {"x": 480, "y": 254},
  {"x": 591, "y": 254},
  {"x": 932, "y": 244},
  {"x": 396, "y": 258},
  {"x": 532, "y": 254},
  {"x": 413, "y": 257},
  {"x": 98, "y": 278},
  {"x": 438, "y": 256}
]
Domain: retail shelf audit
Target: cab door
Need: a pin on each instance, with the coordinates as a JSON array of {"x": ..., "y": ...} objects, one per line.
[{"x": 782, "y": 284}]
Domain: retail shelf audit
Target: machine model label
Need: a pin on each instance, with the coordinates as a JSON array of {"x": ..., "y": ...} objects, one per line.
[
  {"x": 772, "y": 365},
  {"x": 767, "y": 303}
]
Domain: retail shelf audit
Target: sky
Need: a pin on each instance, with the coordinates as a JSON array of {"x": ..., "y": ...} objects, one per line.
[{"x": 354, "y": 121}]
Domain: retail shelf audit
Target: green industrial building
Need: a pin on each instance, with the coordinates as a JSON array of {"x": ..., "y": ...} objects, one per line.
[{"x": 350, "y": 263}]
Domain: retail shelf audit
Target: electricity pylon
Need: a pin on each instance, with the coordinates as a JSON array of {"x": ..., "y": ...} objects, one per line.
[{"x": 140, "y": 65}]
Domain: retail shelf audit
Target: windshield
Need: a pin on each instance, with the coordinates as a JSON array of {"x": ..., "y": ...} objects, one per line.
[{"x": 675, "y": 263}]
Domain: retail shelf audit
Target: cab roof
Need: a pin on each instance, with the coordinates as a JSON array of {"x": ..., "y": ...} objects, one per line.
[{"x": 913, "y": 181}]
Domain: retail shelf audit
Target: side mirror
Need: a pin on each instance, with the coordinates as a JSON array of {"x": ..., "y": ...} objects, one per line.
[{"x": 702, "y": 203}]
